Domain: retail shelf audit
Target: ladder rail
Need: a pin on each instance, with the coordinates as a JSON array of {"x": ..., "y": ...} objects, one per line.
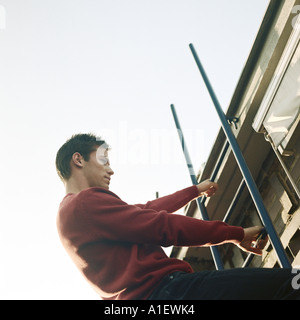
[
  {"x": 256, "y": 197},
  {"x": 214, "y": 250}
]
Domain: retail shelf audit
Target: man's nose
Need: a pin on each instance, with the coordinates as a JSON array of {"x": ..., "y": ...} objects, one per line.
[{"x": 110, "y": 171}]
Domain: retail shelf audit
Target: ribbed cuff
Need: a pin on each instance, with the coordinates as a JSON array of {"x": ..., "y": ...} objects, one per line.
[{"x": 236, "y": 233}]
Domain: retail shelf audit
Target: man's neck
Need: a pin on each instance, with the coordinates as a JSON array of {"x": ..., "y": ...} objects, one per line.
[{"x": 75, "y": 186}]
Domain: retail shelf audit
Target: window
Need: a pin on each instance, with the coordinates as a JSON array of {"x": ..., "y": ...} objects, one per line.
[{"x": 278, "y": 115}]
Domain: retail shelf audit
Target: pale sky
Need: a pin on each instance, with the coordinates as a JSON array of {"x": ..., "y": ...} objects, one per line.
[{"x": 111, "y": 67}]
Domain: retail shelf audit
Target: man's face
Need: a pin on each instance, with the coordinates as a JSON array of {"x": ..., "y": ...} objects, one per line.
[{"x": 97, "y": 170}]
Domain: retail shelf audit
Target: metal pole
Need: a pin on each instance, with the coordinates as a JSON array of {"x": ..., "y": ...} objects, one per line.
[
  {"x": 217, "y": 166},
  {"x": 202, "y": 209},
  {"x": 276, "y": 243},
  {"x": 235, "y": 201}
]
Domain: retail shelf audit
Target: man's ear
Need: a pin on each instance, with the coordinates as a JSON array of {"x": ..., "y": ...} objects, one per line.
[{"x": 77, "y": 159}]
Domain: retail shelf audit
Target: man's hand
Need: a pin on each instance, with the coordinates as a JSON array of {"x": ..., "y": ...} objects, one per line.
[
  {"x": 207, "y": 188},
  {"x": 250, "y": 243}
]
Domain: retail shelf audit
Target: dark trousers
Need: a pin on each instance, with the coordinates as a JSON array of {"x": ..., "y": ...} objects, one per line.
[{"x": 233, "y": 284}]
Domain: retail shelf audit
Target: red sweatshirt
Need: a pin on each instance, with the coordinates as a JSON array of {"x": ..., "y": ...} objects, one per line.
[{"x": 118, "y": 246}]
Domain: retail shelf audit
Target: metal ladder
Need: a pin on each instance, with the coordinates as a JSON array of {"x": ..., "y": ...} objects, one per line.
[{"x": 247, "y": 179}]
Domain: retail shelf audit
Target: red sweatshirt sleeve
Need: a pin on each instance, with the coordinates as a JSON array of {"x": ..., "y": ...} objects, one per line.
[
  {"x": 173, "y": 202},
  {"x": 112, "y": 219}
]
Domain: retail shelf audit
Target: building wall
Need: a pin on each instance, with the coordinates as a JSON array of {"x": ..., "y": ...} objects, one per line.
[
  {"x": 282, "y": 205},
  {"x": 277, "y": 193}
]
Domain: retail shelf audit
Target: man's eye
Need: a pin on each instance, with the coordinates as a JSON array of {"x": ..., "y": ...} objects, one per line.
[{"x": 103, "y": 160}]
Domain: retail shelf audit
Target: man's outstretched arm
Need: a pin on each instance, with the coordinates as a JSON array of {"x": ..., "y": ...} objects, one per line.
[{"x": 179, "y": 199}]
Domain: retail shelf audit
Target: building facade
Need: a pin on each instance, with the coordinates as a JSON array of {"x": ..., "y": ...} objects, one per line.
[{"x": 264, "y": 116}]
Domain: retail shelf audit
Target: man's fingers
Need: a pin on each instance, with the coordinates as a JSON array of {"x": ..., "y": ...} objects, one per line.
[
  {"x": 255, "y": 251},
  {"x": 262, "y": 243},
  {"x": 248, "y": 248},
  {"x": 210, "y": 192}
]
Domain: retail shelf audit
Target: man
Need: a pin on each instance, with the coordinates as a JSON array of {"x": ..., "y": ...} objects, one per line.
[{"x": 117, "y": 246}]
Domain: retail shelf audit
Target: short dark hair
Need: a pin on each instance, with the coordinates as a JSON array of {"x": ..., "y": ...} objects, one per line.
[{"x": 84, "y": 143}]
